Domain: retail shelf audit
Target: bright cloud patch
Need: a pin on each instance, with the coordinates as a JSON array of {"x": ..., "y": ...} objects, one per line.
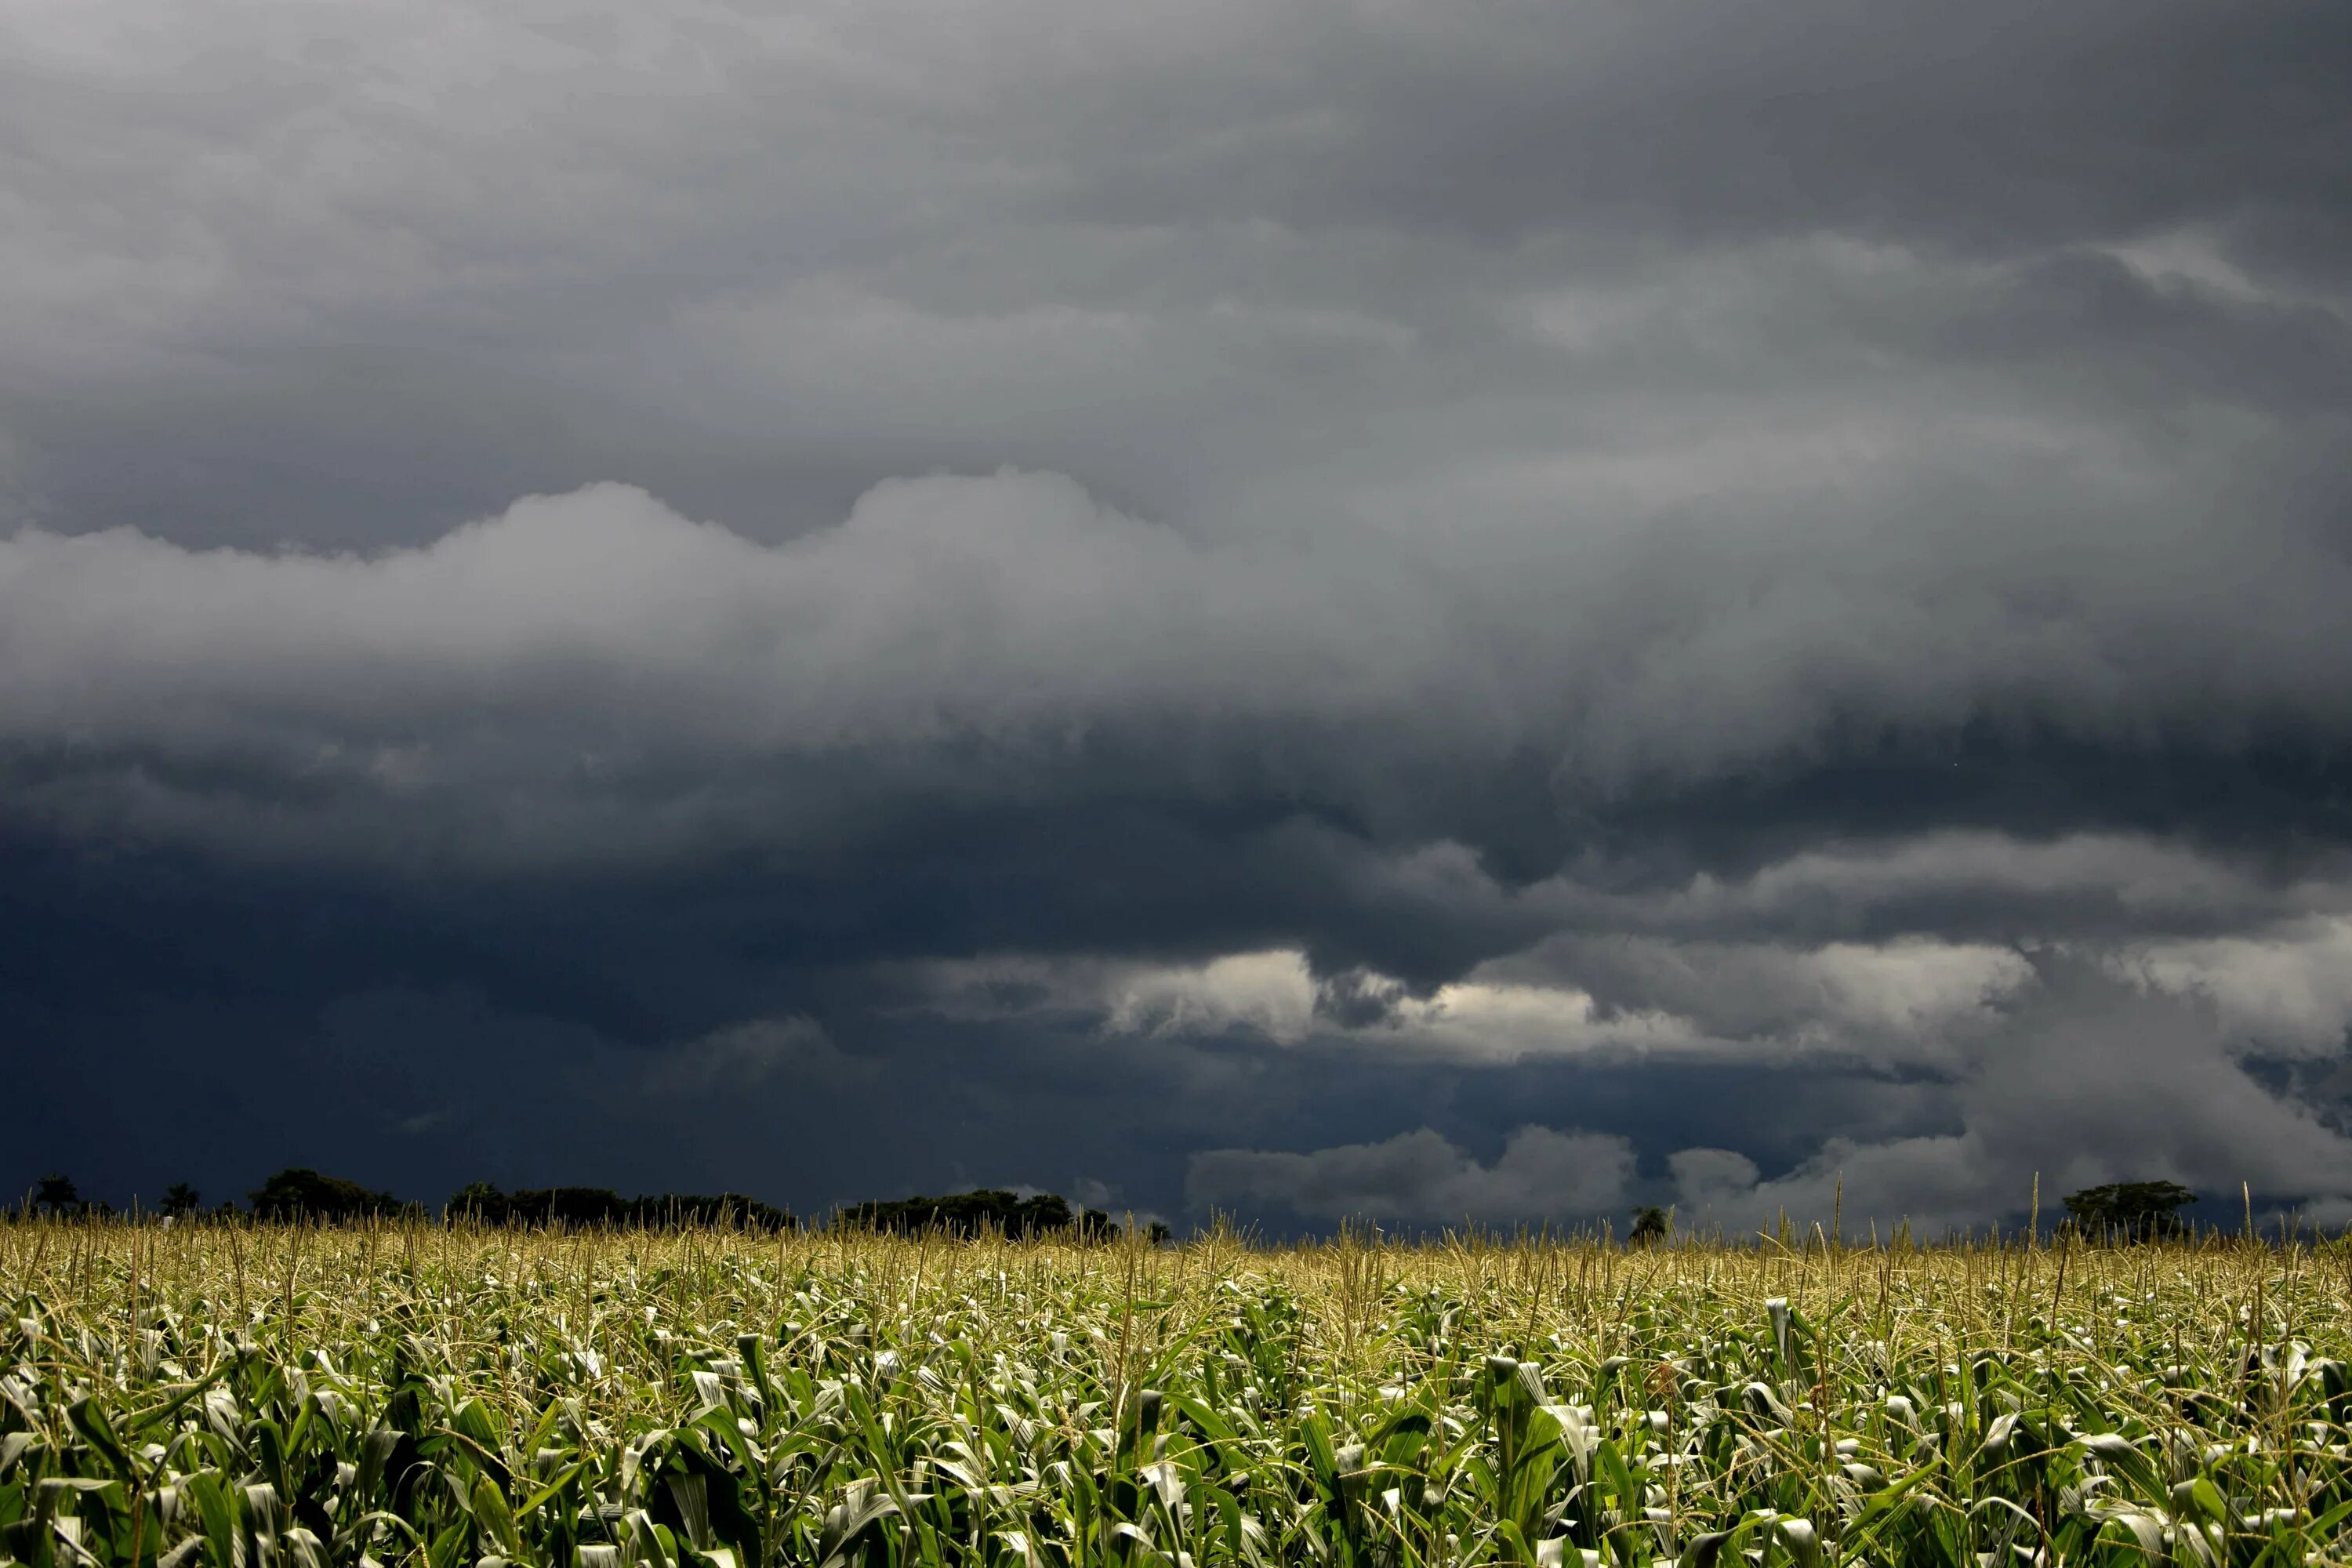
[
  {"x": 1911, "y": 999},
  {"x": 2284, "y": 992}
]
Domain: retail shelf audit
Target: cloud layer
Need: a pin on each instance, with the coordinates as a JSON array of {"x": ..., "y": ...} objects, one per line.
[{"x": 583, "y": 650}]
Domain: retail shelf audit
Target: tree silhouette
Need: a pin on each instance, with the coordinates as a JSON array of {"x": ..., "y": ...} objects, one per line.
[
  {"x": 2130, "y": 1210},
  {"x": 984, "y": 1211},
  {"x": 55, "y": 1195},
  {"x": 301, "y": 1192},
  {"x": 180, "y": 1198},
  {"x": 1650, "y": 1226}
]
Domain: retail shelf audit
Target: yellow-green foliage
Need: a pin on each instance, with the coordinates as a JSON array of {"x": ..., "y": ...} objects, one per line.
[{"x": 241, "y": 1396}]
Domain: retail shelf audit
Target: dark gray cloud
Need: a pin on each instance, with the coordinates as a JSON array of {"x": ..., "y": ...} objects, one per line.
[
  {"x": 1419, "y": 1176},
  {"x": 1349, "y": 608}
]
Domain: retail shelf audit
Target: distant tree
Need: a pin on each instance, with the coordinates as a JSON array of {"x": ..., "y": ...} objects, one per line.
[
  {"x": 301, "y": 1192},
  {"x": 180, "y": 1198},
  {"x": 1650, "y": 1226},
  {"x": 1159, "y": 1235},
  {"x": 480, "y": 1202},
  {"x": 586, "y": 1205},
  {"x": 55, "y": 1195},
  {"x": 2129, "y": 1211}
]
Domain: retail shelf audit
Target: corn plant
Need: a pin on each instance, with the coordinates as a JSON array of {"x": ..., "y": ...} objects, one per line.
[{"x": 240, "y": 1396}]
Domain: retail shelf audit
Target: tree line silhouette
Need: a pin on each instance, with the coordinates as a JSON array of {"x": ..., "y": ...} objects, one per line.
[
  {"x": 302, "y": 1192},
  {"x": 2118, "y": 1211},
  {"x": 988, "y": 1211}
]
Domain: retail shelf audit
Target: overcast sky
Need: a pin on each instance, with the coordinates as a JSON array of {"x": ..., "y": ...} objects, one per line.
[{"x": 1427, "y": 611}]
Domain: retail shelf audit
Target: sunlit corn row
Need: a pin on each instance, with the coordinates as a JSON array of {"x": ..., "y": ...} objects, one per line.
[{"x": 243, "y": 1397}]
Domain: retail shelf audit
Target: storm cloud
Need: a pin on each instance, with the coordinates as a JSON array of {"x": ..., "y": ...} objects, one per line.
[{"x": 1497, "y": 613}]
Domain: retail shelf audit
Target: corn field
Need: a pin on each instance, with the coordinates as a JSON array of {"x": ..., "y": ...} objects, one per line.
[{"x": 244, "y": 1396}]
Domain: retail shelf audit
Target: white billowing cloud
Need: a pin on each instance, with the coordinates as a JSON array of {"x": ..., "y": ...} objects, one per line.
[
  {"x": 527, "y": 671},
  {"x": 1912, "y": 983},
  {"x": 2286, "y": 991},
  {"x": 2089, "y": 1079},
  {"x": 1271, "y": 992},
  {"x": 2075, "y": 1063},
  {"x": 579, "y": 646},
  {"x": 940, "y": 608},
  {"x": 1476, "y": 1020},
  {"x": 2086, "y": 1081},
  {"x": 1274, "y": 995},
  {"x": 1419, "y": 1176},
  {"x": 1933, "y": 1181},
  {"x": 1646, "y": 478},
  {"x": 1914, "y": 986},
  {"x": 1910, "y": 1001},
  {"x": 1705, "y": 1179}
]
